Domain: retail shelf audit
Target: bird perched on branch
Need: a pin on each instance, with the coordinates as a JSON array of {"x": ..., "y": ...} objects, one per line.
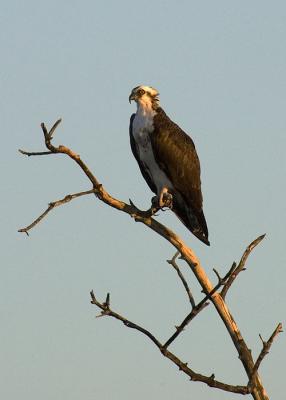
[{"x": 168, "y": 161}]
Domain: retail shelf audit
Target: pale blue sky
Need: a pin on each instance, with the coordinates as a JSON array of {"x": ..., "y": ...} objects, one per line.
[{"x": 220, "y": 69}]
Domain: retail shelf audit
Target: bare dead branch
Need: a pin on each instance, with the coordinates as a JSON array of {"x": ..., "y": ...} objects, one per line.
[
  {"x": 48, "y": 137},
  {"x": 210, "y": 381},
  {"x": 182, "y": 278},
  {"x": 54, "y": 204},
  {"x": 241, "y": 265},
  {"x": 257, "y": 390},
  {"x": 265, "y": 350},
  {"x": 138, "y": 215},
  {"x": 105, "y": 307},
  {"x": 65, "y": 150}
]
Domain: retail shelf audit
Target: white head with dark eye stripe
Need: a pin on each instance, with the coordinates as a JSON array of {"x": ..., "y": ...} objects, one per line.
[{"x": 145, "y": 96}]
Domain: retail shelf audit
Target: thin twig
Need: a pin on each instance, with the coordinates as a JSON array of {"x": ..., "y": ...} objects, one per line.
[
  {"x": 265, "y": 350},
  {"x": 209, "y": 380},
  {"x": 181, "y": 276},
  {"x": 53, "y": 128},
  {"x": 241, "y": 265},
  {"x": 54, "y": 204},
  {"x": 35, "y": 153},
  {"x": 219, "y": 278},
  {"x": 179, "y": 329}
]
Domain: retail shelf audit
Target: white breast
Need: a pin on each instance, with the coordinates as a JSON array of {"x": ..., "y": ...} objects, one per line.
[{"x": 142, "y": 129}]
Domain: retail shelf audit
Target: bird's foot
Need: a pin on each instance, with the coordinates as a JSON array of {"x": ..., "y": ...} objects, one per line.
[
  {"x": 167, "y": 201},
  {"x": 164, "y": 200}
]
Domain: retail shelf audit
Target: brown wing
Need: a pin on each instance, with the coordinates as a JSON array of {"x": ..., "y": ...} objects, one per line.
[{"x": 176, "y": 154}]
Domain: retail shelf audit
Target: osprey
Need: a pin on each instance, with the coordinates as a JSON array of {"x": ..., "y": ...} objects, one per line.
[{"x": 168, "y": 161}]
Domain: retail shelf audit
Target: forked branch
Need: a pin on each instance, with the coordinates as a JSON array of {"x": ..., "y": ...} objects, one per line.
[
  {"x": 265, "y": 350},
  {"x": 183, "y": 366},
  {"x": 54, "y": 204}
]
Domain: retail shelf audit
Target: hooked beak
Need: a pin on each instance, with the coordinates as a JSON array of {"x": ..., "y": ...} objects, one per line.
[{"x": 132, "y": 97}]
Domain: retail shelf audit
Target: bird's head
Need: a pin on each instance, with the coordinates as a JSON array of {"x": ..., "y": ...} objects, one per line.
[{"x": 145, "y": 96}]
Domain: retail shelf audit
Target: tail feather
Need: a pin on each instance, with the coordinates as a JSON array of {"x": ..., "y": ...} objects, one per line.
[{"x": 194, "y": 220}]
